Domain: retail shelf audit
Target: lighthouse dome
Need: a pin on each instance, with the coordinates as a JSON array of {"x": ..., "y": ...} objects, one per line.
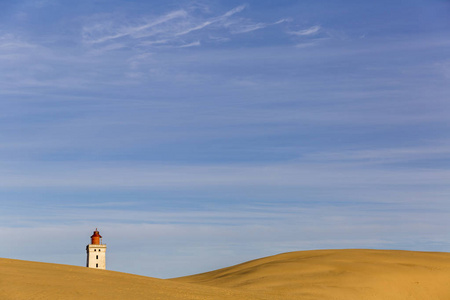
[{"x": 95, "y": 238}]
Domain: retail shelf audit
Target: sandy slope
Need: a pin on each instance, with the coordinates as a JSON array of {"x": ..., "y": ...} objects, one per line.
[
  {"x": 321, "y": 274},
  {"x": 32, "y": 280},
  {"x": 339, "y": 274}
]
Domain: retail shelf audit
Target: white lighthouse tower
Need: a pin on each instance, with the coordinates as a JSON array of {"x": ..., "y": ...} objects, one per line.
[{"x": 96, "y": 252}]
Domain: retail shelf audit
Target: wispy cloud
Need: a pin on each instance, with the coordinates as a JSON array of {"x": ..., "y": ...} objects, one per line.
[
  {"x": 234, "y": 11},
  {"x": 308, "y": 31},
  {"x": 95, "y": 34},
  {"x": 174, "y": 29},
  {"x": 237, "y": 28},
  {"x": 248, "y": 28},
  {"x": 213, "y": 20},
  {"x": 193, "y": 44}
]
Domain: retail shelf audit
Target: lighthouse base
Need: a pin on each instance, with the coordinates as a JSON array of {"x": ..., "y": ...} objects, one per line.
[{"x": 96, "y": 256}]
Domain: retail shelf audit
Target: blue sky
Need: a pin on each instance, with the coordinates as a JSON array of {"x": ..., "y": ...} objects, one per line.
[{"x": 200, "y": 134}]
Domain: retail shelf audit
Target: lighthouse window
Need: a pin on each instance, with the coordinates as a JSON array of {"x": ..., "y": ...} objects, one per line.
[
  {"x": 96, "y": 265},
  {"x": 95, "y": 249},
  {"x": 99, "y": 249},
  {"x": 97, "y": 257}
]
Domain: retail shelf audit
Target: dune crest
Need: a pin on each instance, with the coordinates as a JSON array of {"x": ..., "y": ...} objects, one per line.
[{"x": 339, "y": 274}]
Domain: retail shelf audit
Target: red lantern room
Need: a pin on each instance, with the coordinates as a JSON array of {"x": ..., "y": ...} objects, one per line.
[{"x": 96, "y": 238}]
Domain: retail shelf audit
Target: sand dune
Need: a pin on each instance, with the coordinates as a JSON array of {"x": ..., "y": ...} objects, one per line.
[
  {"x": 339, "y": 274},
  {"x": 32, "y": 280},
  {"x": 320, "y": 274}
]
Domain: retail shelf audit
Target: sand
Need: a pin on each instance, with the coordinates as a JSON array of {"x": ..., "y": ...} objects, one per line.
[
  {"x": 319, "y": 274},
  {"x": 339, "y": 274},
  {"x": 33, "y": 280}
]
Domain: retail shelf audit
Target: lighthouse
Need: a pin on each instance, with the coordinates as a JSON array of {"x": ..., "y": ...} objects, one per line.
[{"x": 96, "y": 252}]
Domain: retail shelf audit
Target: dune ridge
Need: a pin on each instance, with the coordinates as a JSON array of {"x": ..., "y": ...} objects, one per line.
[
  {"x": 318, "y": 274},
  {"x": 20, "y": 280},
  {"x": 339, "y": 274}
]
